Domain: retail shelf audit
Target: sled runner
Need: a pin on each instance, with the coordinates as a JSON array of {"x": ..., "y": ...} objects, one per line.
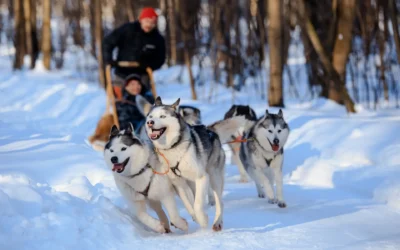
[{"x": 114, "y": 94}]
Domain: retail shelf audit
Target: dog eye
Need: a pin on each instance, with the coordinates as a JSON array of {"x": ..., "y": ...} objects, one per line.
[
  {"x": 150, "y": 116},
  {"x": 162, "y": 116},
  {"x": 123, "y": 149},
  {"x": 270, "y": 131},
  {"x": 279, "y": 131},
  {"x": 111, "y": 150}
]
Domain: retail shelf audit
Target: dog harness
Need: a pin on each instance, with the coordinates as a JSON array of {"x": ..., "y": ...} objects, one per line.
[
  {"x": 141, "y": 171},
  {"x": 145, "y": 192}
]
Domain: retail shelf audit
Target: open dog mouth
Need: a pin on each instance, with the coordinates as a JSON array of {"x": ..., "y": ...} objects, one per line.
[
  {"x": 120, "y": 167},
  {"x": 157, "y": 133},
  {"x": 275, "y": 147}
]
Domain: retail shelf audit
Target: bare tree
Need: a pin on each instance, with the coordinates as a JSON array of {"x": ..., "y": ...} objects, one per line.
[
  {"x": 333, "y": 77},
  {"x": 46, "y": 34},
  {"x": 99, "y": 38},
  {"x": 342, "y": 46},
  {"x": 19, "y": 40},
  {"x": 275, "y": 15}
]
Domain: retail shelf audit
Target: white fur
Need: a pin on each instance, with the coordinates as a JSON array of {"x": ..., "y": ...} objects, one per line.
[
  {"x": 193, "y": 168},
  {"x": 265, "y": 176},
  {"x": 160, "y": 192}
]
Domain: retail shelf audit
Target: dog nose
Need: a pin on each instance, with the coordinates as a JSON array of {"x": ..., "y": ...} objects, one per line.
[
  {"x": 276, "y": 141},
  {"x": 114, "y": 159},
  {"x": 150, "y": 123}
]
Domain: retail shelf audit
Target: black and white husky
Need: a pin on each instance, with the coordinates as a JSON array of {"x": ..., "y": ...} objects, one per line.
[
  {"x": 193, "y": 153},
  {"x": 132, "y": 161},
  {"x": 262, "y": 155}
]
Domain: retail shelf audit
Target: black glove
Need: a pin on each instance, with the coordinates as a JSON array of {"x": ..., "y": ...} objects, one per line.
[{"x": 113, "y": 63}]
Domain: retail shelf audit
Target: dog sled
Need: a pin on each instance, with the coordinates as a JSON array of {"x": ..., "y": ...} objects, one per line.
[{"x": 114, "y": 95}]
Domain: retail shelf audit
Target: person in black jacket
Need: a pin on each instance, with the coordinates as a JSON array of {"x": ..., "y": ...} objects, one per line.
[
  {"x": 139, "y": 41},
  {"x": 126, "y": 108}
]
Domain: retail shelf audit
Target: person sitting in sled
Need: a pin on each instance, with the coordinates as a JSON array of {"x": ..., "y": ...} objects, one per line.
[
  {"x": 126, "y": 108},
  {"x": 138, "y": 41}
]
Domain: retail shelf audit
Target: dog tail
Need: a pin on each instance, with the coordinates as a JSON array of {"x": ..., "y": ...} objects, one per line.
[{"x": 227, "y": 128}]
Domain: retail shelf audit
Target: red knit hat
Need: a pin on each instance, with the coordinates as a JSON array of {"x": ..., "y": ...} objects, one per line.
[{"x": 147, "y": 13}]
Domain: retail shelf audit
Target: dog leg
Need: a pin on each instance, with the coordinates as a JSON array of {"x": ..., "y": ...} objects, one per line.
[
  {"x": 202, "y": 184},
  {"x": 218, "y": 188},
  {"x": 279, "y": 182},
  {"x": 264, "y": 181},
  {"x": 187, "y": 197},
  {"x": 146, "y": 219},
  {"x": 156, "y": 206},
  {"x": 239, "y": 164},
  {"x": 260, "y": 191},
  {"x": 211, "y": 199},
  {"x": 176, "y": 219}
]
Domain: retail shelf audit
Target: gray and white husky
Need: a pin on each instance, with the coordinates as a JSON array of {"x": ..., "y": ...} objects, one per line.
[
  {"x": 262, "y": 155},
  {"x": 250, "y": 116},
  {"x": 131, "y": 160},
  {"x": 193, "y": 153}
]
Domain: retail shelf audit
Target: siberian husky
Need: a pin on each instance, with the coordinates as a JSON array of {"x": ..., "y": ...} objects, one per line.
[
  {"x": 193, "y": 153},
  {"x": 132, "y": 161},
  {"x": 262, "y": 155}
]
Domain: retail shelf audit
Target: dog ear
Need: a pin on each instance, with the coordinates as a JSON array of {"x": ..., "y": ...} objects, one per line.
[
  {"x": 114, "y": 131},
  {"x": 175, "y": 105},
  {"x": 158, "y": 101},
  {"x": 266, "y": 113},
  {"x": 130, "y": 129},
  {"x": 143, "y": 105},
  {"x": 280, "y": 113}
]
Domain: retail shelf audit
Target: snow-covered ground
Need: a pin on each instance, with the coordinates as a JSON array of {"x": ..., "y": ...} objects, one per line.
[{"x": 342, "y": 175}]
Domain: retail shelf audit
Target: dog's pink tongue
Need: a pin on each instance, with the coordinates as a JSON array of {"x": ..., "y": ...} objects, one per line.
[
  {"x": 155, "y": 134},
  {"x": 117, "y": 167},
  {"x": 275, "y": 147}
]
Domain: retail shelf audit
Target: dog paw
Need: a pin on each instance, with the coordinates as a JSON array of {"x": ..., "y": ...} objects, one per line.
[
  {"x": 281, "y": 204},
  {"x": 272, "y": 201},
  {"x": 217, "y": 227},
  {"x": 262, "y": 196},
  {"x": 180, "y": 224},
  {"x": 167, "y": 230},
  {"x": 160, "y": 228}
]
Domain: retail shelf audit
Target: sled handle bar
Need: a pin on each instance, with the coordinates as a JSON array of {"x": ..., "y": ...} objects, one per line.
[{"x": 128, "y": 64}]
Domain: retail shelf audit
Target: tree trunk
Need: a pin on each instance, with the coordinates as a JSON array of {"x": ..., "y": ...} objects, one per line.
[
  {"x": 130, "y": 10},
  {"x": 46, "y": 34},
  {"x": 172, "y": 31},
  {"x": 342, "y": 47},
  {"x": 77, "y": 35},
  {"x": 275, "y": 95},
  {"x": 99, "y": 38},
  {"x": 19, "y": 40},
  {"x": 334, "y": 78},
  {"x": 35, "y": 40},
  {"x": 395, "y": 26},
  {"x": 191, "y": 78},
  {"x": 28, "y": 29}
]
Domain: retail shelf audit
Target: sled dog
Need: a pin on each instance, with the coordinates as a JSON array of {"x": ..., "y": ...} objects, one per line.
[
  {"x": 193, "y": 153},
  {"x": 262, "y": 155},
  {"x": 131, "y": 160}
]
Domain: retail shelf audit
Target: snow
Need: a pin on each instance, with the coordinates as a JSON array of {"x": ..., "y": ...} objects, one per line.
[{"x": 342, "y": 174}]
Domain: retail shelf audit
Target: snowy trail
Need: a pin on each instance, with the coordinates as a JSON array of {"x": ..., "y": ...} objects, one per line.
[{"x": 342, "y": 177}]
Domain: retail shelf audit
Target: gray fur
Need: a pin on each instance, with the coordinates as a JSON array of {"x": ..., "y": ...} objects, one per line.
[{"x": 263, "y": 158}]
